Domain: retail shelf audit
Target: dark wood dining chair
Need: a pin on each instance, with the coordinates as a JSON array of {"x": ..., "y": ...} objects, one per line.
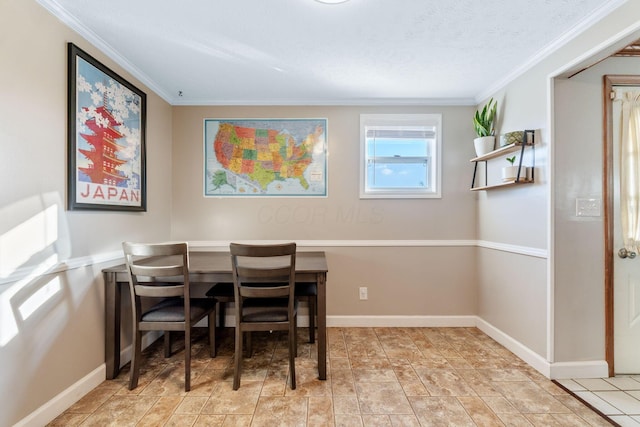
[
  {"x": 160, "y": 273},
  {"x": 223, "y": 293},
  {"x": 264, "y": 294}
]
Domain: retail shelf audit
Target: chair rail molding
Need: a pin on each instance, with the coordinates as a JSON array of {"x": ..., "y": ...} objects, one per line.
[
  {"x": 61, "y": 266},
  {"x": 223, "y": 245},
  {"x": 505, "y": 247}
]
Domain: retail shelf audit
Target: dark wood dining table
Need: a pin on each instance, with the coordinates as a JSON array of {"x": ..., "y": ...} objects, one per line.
[{"x": 211, "y": 267}]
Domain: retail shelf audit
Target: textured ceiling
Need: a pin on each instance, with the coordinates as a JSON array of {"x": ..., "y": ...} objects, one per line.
[{"x": 302, "y": 52}]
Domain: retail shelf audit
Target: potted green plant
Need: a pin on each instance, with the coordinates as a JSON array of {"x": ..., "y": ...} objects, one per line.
[
  {"x": 510, "y": 173},
  {"x": 483, "y": 123}
]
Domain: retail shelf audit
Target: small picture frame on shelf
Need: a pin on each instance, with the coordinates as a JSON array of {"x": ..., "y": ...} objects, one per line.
[
  {"x": 529, "y": 136},
  {"x": 508, "y": 138}
]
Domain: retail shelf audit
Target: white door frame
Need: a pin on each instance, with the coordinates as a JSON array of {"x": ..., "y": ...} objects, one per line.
[{"x": 607, "y": 175}]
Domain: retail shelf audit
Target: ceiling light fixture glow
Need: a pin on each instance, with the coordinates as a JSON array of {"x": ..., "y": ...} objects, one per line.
[{"x": 332, "y": 1}]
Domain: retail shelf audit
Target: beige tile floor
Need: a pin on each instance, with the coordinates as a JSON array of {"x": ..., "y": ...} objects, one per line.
[{"x": 376, "y": 377}]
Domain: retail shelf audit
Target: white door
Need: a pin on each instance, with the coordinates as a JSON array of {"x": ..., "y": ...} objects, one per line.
[{"x": 626, "y": 299}]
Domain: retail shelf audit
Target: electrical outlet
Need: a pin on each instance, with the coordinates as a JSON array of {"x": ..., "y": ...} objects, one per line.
[{"x": 364, "y": 293}]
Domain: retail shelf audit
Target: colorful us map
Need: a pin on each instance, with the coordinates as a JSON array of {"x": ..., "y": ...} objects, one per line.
[{"x": 256, "y": 157}]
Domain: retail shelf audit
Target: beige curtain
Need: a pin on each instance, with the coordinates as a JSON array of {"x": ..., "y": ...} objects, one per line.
[{"x": 630, "y": 171}]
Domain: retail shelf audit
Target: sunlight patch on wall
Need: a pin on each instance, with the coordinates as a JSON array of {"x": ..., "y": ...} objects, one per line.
[
  {"x": 30, "y": 237},
  {"x": 39, "y": 298}
]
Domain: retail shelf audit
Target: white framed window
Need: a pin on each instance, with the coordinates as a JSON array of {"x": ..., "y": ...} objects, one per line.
[{"x": 400, "y": 155}]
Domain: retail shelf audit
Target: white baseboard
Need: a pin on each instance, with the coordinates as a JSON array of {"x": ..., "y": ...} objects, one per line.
[
  {"x": 401, "y": 321},
  {"x": 381, "y": 321},
  {"x": 554, "y": 371},
  {"x": 532, "y": 358},
  {"x": 50, "y": 410},
  {"x": 588, "y": 369},
  {"x": 230, "y": 319}
]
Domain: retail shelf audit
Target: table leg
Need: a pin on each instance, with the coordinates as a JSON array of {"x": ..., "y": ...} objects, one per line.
[
  {"x": 112, "y": 308},
  {"x": 322, "y": 326}
]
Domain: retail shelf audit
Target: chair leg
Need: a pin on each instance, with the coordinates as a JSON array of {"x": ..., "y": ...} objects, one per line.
[
  {"x": 187, "y": 358},
  {"x": 249, "y": 344},
  {"x": 212, "y": 333},
  {"x": 292, "y": 354},
  {"x": 167, "y": 344},
  {"x": 312, "y": 319},
  {"x": 136, "y": 354},
  {"x": 237, "y": 366},
  {"x": 295, "y": 336},
  {"x": 221, "y": 307}
]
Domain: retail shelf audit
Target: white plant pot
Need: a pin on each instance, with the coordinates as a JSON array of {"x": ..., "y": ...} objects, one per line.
[
  {"x": 484, "y": 145},
  {"x": 509, "y": 173}
]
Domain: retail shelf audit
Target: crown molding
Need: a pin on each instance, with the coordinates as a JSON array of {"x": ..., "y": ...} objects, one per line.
[
  {"x": 329, "y": 102},
  {"x": 561, "y": 41},
  {"x": 59, "y": 12}
]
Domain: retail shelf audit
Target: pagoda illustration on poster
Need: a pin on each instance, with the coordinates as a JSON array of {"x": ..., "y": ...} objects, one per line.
[{"x": 103, "y": 156}]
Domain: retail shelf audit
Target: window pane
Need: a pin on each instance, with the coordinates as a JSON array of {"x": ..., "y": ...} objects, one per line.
[
  {"x": 400, "y": 155},
  {"x": 377, "y": 147},
  {"x": 397, "y": 175},
  {"x": 397, "y": 158}
]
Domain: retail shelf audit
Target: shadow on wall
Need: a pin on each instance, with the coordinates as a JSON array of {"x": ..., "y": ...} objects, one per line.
[{"x": 34, "y": 238}]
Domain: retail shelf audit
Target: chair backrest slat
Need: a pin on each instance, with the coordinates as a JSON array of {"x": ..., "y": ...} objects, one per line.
[
  {"x": 282, "y": 249},
  {"x": 264, "y": 291},
  {"x": 157, "y": 291},
  {"x": 155, "y": 249},
  {"x": 157, "y": 270},
  {"x": 261, "y": 273},
  {"x": 149, "y": 263}
]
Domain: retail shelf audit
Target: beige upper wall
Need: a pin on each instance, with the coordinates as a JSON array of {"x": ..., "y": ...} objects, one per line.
[
  {"x": 62, "y": 341},
  {"x": 341, "y": 215}
]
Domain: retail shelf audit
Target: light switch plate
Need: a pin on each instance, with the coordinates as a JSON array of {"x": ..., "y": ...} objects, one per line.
[{"x": 588, "y": 207}]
